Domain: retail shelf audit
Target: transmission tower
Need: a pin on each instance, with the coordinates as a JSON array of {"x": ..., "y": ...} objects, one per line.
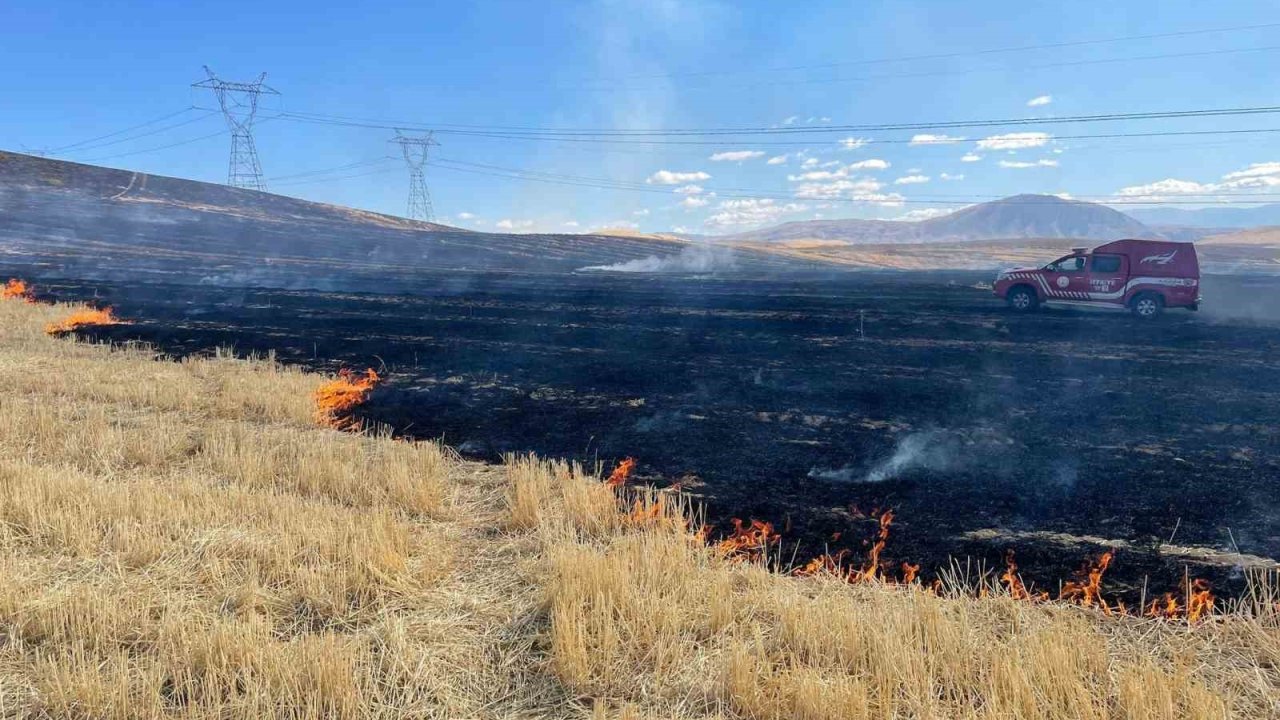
[
  {"x": 239, "y": 103},
  {"x": 415, "y": 156}
]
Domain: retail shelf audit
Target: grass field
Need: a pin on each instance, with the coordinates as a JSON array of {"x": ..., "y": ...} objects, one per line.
[{"x": 185, "y": 540}]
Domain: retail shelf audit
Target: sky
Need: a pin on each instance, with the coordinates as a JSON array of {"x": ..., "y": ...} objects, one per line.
[{"x": 73, "y": 72}]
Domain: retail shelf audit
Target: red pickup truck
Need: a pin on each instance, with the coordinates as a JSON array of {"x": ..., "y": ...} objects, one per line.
[{"x": 1143, "y": 276}]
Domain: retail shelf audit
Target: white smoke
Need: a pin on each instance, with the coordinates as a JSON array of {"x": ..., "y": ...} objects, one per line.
[
  {"x": 934, "y": 450},
  {"x": 692, "y": 259}
]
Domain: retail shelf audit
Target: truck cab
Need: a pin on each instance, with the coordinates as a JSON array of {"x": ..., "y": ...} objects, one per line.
[{"x": 1142, "y": 276}]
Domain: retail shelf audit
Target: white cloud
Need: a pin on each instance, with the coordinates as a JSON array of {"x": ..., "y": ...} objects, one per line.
[
  {"x": 1257, "y": 175},
  {"x": 809, "y": 163},
  {"x": 1168, "y": 186},
  {"x": 869, "y": 164},
  {"x": 751, "y": 212},
  {"x": 614, "y": 225},
  {"x": 791, "y": 120},
  {"x": 571, "y": 223},
  {"x": 816, "y": 175},
  {"x": 839, "y": 188},
  {"x": 882, "y": 199},
  {"x": 777, "y": 160},
  {"x": 930, "y": 139},
  {"x": 689, "y": 190},
  {"x": 668, "y": 177},
  {"x": 923, "y": 214},
  {"x": 949, "y": 176},
  {"x": 508, "y": 224},
  {"x": 1040, "y": 100},
  {"x": 1014, "y": 141},
  {"x": 911, "y": 180},
  {"x": 736, "y": 155},
  {"x": 853, "y": 143},
  {"x": 641, "y": 212},
  {"x": 1255, "y": 170},
  {"x": 693, "y": 201},
  {"x": 970, "y": 157},
  {"x": 1018, "y": 164},
  {"x": 465, "y": 216}
]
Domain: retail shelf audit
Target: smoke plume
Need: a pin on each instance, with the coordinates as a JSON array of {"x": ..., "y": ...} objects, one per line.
[{"x": 692, "y": 259}]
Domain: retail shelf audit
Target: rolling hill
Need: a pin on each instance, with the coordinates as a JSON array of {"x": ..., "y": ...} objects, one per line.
[
  {"x": 1212, "y": 217},
  {"x": 88, "y": 221}
]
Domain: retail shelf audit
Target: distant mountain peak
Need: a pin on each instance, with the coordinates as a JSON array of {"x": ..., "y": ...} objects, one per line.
[{"x": 1026, "y": 215}]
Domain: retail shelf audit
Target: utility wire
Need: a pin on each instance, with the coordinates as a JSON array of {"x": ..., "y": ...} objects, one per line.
[
  {"x": 574, "y": 133},
  {"x": 952, "y": 55},
  {"x": 139, "y": 126},
  {"x": 741, "y": 193},
  {"x": 139, "y": 136}
]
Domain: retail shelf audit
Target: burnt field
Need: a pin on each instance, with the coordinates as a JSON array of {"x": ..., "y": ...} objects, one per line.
[{"x": 810, "y": 402}]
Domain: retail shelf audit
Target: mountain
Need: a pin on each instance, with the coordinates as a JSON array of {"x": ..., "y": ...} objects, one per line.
[
  {"x": 96, "y": 222},
  {"x": 1212, "y": 217},
  {"x": 1020, "y": 216}
]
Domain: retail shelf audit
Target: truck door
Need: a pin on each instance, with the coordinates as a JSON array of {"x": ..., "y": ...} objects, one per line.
[
  {"x": 1068, "y": 278},
  {"x": 1107, "y": 277}
]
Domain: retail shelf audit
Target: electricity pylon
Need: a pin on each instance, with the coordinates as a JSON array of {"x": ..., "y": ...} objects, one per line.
[
  {"x": 239, "y": 103},
  {"x": 415, "y": 156}
]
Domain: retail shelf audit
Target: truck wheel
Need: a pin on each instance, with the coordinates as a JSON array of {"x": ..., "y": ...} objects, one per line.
[
  {"x": 1023, "y": 299},
  {"x": 1148, "y": 306}
]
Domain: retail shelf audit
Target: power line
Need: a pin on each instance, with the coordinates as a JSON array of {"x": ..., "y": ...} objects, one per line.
[
  {"x": 180, "y": 143},
  {"x": 338, "y": 168},
  {"x": 744, "y": 193},
  {"x": 565, "y": 133},
  {"x": 139, "y": 126},
  {"x": 952, "y": 55},
  {"x": 954, "y": 72}
]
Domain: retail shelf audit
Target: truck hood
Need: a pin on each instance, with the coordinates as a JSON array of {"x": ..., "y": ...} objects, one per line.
[{"x": 1006, "y": 271}]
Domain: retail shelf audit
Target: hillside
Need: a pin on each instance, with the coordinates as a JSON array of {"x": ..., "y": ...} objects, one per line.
[
  {"x": 1211, "y": 217},
  {"x": 91, "y": 221},
  {"x": 190, "y": 544},
  {"x": 1020, "y": 216}
]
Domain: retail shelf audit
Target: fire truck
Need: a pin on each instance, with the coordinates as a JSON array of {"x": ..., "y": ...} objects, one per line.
[{"x": 1142, "y": 276}]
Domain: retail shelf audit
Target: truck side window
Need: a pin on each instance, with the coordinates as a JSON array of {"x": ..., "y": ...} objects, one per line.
[
  {"x": 1106, "y": 264},
  {"x": 1067, "y": 264}
]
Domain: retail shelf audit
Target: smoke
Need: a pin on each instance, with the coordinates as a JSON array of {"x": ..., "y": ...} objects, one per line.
[
  {"x": 692, "y": 259},
  {"x": 931, "y": 450}
]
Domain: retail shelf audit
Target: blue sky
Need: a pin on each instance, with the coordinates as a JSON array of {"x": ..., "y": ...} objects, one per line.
[{"x": 71, "y": 72}]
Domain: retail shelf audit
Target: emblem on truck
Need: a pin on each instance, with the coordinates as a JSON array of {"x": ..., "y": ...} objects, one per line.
[{"x": 1160, "y": 259}]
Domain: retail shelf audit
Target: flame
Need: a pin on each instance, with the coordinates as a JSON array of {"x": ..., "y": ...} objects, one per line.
[
  {"x": 1200, "y": 602},
  {"x": 871, "y": 570},
  {"x": 83, "y": 318},
  {"x": 748, "y": 542},
  {"x": 909, "y": 572},
  {"x": 1086, "y": 589},
  {"x": 1010, "y": 578},
  {"x": 16, "y": 289},
  {"x": 336, "y": 398},
  {"x": 619, "y": 476}
]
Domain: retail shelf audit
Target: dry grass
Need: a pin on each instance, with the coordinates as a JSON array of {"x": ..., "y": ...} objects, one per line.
[
  {"x": 644, "y": 617},
  {"x": 177, "y": 539}
]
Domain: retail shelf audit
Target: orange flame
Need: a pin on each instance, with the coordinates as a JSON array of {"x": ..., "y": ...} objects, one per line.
[
  {"x": 748, "y": 542},
  {"x": 83, "y": 318},
  {"x": 1200, "y": 602},
  {"x": 1010, "y": 578},
  {"x": 337, "y": 398},
  {"x": 16, "y": 289},
  {"x": 619, "y": 476},
  {"x": 871, "y": 570},
  {"x": 1086, "y": 590}
]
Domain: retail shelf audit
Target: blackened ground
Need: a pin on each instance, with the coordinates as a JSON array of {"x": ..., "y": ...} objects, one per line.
[{"x": 812, "y": 401}]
